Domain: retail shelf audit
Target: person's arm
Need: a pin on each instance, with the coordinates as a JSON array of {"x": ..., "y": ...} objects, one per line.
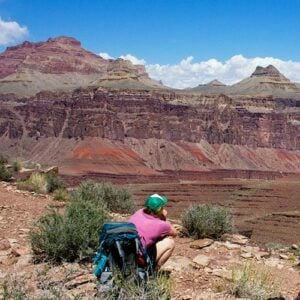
[{"x": 173, "y": 231}]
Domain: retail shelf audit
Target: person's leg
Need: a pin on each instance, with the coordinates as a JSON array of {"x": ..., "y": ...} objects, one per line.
[{"x": 164, "y": 250}]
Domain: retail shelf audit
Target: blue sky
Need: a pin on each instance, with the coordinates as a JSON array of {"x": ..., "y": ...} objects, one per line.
[{"x": 165, "y": 32}]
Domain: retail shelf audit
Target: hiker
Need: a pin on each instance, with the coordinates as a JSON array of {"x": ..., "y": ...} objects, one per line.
[{"x": 154, "y": 230}]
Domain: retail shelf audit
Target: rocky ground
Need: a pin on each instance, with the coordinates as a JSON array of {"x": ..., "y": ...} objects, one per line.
[{"x": 199, "y": 269}]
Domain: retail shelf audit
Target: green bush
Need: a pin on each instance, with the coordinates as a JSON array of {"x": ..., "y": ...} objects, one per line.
[
  {"x": 68, "y": 237},
  {"x": 5, "y": 175},
  {"x": 61, "y": 195},
  {"x": 14, "y": 289},
  {"x": 37, "y": 183},
  {"x": 105, "y": 195},
  {"x": 54, "y": 182},
  {"x": 41, "y": 183},
  {"x": 252, "y": 281},
  {"x": 118, "y": 200},
  {"x": 3, "y": 159},
  {"x": 209, "y": 221},
  {"x": 156, "y": 288},
  {"x": 16, "y": 165},
  {"x": 296, "y": 250}
]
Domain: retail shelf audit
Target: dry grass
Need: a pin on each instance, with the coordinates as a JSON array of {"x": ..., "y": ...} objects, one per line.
[
  {"x": 253, "y": 281},
  {"x": 37, "y": 183}
]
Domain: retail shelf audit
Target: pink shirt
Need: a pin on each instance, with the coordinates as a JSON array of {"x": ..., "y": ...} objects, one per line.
[{"x": 150, "y": 228}]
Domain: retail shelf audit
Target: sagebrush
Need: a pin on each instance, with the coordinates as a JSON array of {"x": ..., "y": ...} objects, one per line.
[
  {"x": 207, "y": 221},
  {"x": 41, "y": 183},
  {"x": 3, "y": 159},
  {"x": 61, "y": 195},
  {"x": 253, "y": 281},
  {"x": 54, "y": 182},
  {"x": 106, "y": 195},
  {"x": 70, "y": 236},
  {"x": 5, "y": 174},
  {"x": 16, "y": 165},
  {"x": 37, "y": 182},
  {"x": 74, "y": 234},
  {"x": 156, "y": 288}
]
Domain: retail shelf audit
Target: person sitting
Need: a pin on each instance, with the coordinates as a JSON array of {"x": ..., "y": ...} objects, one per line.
[{"x": 154, "y": 230}]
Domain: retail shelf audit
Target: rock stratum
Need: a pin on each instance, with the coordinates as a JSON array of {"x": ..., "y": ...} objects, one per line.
[{"x": 62, "y": 104}]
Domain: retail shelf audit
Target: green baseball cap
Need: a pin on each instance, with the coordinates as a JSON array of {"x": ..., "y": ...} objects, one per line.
[{"x": 155, "y": 202}]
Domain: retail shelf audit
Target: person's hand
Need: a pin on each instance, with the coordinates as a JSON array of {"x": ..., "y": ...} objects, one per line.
[{"x": 164, "y": 213}]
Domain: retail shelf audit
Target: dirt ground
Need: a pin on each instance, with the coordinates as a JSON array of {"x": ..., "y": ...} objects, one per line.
[
  {"x": 268, "y": 208},
  {"x": 18, "y": 211}
]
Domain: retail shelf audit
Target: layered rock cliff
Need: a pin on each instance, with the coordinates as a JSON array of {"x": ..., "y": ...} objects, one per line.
[{"x": 119, "y": 121}]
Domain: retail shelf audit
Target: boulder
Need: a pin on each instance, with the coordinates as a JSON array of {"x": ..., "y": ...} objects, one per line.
[
  {"x": 199, "y": 244},
  {"x": 4, "y": 244},
  {"x": 20, "y": 250},
  {"x": 246, "y": 255},
  {"x": 83, "y": 279},
  {"x": 262, "y": 254},
  {"x": 283, "y": 256},
  {"x": 235, "y": 238},
  {"x": 201, "y": 261},
  {"x": 222, "y": 273},
  {"x": 177, "y": 264},
  {"x": 53, "y": 169},
  {"x": 24, "y": 260},
  {"x": 231, "y": 246}
]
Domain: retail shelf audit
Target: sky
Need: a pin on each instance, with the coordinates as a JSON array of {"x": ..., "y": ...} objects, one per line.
[{"x": 181, "y": 42}]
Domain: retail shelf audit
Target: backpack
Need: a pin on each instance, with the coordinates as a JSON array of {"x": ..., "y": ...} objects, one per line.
[{"x": 121, "y": 256}]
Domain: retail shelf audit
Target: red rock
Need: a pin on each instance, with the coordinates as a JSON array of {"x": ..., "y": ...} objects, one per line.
[
  {"x": 4, "y": 244},
  {"x": 199, "y": 244}
]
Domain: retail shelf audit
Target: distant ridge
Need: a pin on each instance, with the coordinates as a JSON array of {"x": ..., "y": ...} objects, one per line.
[
  {"x": 61, "y": 64},
  {"x": 213, "y": 87},
  {"x": 264, "y": 81},
  {"x": 269, "y": 71},
  {"x": 216, "y": 82}
]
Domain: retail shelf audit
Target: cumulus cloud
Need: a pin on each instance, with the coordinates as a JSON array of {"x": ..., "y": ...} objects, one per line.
[
  {"x": 190, "y": 73},
  {"x": 133, "y": 59},
  {"x": 11, "y": 32},
  {"x": 105, "y": 55},
  {"x": 130, "y": 57}
]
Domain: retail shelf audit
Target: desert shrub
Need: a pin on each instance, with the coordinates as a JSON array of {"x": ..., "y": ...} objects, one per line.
[
  {"x": 296, "y": 250},
  {"x": 31, "y": 165},
  {"x": 54, "y": 182},
  {"x": 5, "y": 174},
  {"x": 13, "y": 289},
  {"x": 37, "y": 183},
  {"x": 68, "y": 237},
  {"x": 253, "y": 281},
  {"x": 117, "y": 199},
  {"x": 16, "y": 165},
  {"x": 61, "y": 195},
  {"x": 207, "y": 221},
  {"x": 275, "y": 246},
  {"x": 3, "y": 159},
  {"x": 89, "y": 192},
  {"x": 156, "y": 288},
  {"x": 105, "y": 195}
]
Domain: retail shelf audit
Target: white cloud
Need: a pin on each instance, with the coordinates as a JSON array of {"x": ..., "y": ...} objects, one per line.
[
  {"x": 188, "y": 73},
  {"x": 133, "y": 59},
  {"x": 105, "y": 55},
  {"x": 11, "y": 32}
]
